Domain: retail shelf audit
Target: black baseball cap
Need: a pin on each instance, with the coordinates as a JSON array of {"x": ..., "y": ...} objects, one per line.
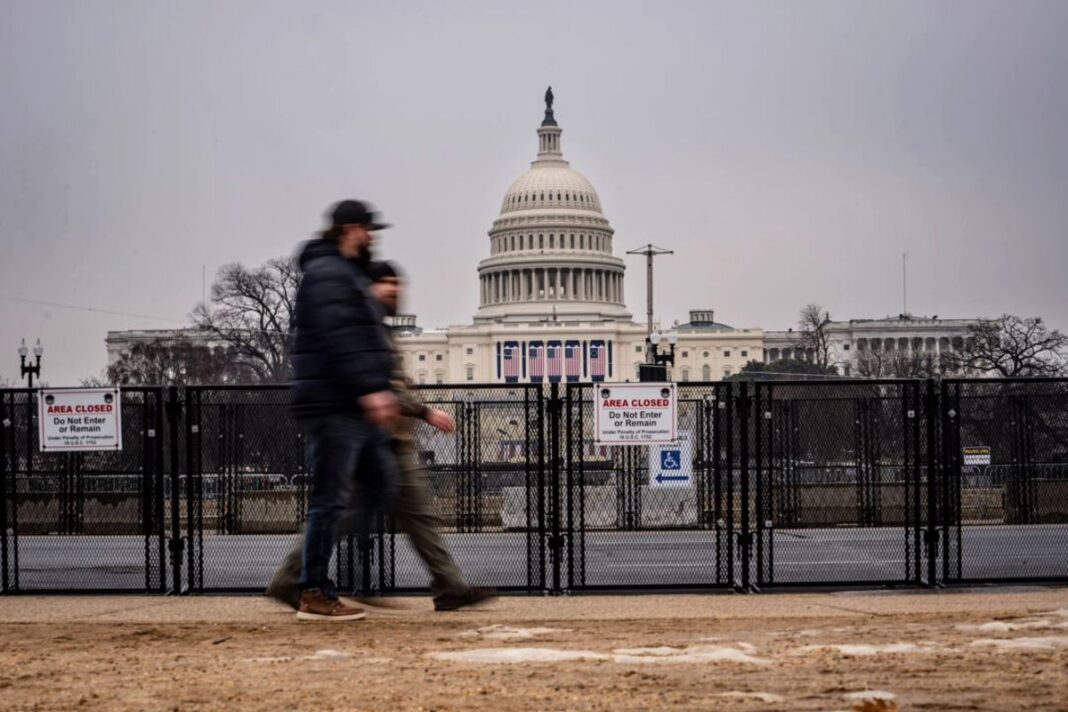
[
  {"x": 381, "y": 270},
  {"x": 354, "y": 212}
]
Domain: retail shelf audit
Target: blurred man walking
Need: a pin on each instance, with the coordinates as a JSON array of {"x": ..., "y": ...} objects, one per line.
[
  {"x": 342, "y": 362},
  {"x": 411, "y": 503}
]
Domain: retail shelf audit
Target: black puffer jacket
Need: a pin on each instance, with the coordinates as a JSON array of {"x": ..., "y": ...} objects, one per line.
[{"x": 340, "y": 349}]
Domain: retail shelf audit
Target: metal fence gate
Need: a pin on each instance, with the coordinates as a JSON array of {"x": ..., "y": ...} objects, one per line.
[
  {"x": 1005, "y": 503},
  {"x": 617, "y": 530},
  {"x": 91, "y": 521},
  {"x": 838, "y": 477},
  {"x": 835, "y": 483}
]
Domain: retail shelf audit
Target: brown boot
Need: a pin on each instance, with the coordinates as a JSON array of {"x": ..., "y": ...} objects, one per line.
[{"x": 314, "y": 606}]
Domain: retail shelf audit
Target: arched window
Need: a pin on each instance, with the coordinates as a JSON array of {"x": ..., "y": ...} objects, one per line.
[
  {"x": 552, "y": 241},
  {"x": 572, "y": 241},
  {"x": 543, "y": 196},
  {"x": 706, "y": 373},
  {"x": 685, "y": 374},
  {"x": 541, "y": 242}
]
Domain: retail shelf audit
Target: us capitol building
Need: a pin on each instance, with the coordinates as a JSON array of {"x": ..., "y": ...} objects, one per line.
[
  {"x": 551, "y": 303},
  {"x": 551, "y": 296}
]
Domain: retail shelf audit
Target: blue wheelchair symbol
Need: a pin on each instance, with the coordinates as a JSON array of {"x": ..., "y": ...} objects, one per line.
[{"x": 670, "y": 460}]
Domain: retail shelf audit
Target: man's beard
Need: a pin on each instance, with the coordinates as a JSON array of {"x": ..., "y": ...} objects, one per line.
[{"x": 364, "y": 257}]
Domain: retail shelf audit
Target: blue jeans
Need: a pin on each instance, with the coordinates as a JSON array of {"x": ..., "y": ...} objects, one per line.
[{"x": 342, "y": 450}]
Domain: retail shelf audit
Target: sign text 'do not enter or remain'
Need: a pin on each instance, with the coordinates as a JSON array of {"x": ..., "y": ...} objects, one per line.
[
  {"x": 635, "y": 413},
  {"x": 79, "y": 419}
]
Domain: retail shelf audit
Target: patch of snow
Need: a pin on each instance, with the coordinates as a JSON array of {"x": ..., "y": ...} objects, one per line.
[
  {"x": 662, "y": 650},
  {"x": 870, "y": 695},
  {"x": 517, "y": 655},
  {"x": 857, "y": 649},
  {"x": 639, "y": 656},
  {"x": 1042, "y": 643},
  {"x": 691, "y": 654},
  {"x": 327, "y": 654},
  {"x": 1006, "y": 626},
  {"x": 760, "y": 696},
  {"x": 504, "y": 632}
]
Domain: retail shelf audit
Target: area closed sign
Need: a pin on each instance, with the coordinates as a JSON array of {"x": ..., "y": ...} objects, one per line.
[
  {"x": 635, "y": 413},
  {"x": 78, "y": 419}
]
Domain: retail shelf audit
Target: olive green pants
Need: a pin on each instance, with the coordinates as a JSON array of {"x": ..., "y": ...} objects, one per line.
[{"x": 413, "y": 516}]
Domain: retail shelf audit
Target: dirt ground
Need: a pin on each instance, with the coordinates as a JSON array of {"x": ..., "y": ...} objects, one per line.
[{"x": 971, "y": 649}]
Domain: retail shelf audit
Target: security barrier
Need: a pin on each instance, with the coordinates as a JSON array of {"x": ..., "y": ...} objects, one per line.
[{"x": 834, "y": 483}]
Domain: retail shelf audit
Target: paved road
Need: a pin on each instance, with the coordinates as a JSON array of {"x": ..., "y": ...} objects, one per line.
[{"x": 611, "y": 558}]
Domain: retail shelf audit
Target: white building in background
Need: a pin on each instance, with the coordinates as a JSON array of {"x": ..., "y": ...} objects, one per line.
[
  {"x": 551, "y": 297},
  {"x": 903, "y": 333},
  {"x": 121, "y": 343},
  {"x": 551, "y": 304}
]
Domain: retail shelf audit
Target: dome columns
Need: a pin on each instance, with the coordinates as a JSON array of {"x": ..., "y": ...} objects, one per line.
[{"x": 561, "y": 283}]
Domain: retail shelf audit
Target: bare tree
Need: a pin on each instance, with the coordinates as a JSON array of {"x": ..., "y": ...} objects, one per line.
[
  {"x": 1011, "y": 346},
  {"x": 172, "y": 363},
  {"x": 813, "y": 323},
  {"x": 897, "y": 364},
  {"x": 784, "y": 369},
  {"x": 250, "y": 311}
]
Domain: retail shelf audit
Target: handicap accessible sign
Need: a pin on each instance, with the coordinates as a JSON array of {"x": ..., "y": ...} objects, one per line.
[{"x": 671, "y": 465}]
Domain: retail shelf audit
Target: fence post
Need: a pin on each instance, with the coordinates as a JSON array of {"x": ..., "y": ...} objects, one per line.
[
  {"x": 6, "y": 427},
  {"x": 174, "y": 413},
  {"x": 932, "y": 411},
  {"x": 745, "y": 536},
  {"x": 556, "y": 546}
]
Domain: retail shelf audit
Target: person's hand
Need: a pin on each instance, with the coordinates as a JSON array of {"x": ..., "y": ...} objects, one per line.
[
  {"x": 380, "y": 408},
  {"x": 440, "y": 419}
]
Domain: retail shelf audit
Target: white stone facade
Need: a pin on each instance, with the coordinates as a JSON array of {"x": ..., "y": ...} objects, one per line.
[
  {"x": 904, "y": 333},
  {"x": 119, "y": 343}
]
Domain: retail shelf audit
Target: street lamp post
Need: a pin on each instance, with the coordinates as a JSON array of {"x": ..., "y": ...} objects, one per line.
[
  {"x": 656, "y": 369},
  {"x": 33, "y": 369}
]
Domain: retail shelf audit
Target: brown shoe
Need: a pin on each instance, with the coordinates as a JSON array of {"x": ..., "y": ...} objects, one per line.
[
  {"x": 314, "y": 606},
  {"x": 474, "y": 596}
]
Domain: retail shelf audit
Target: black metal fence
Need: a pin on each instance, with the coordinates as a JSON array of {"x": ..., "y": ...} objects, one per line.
[{"x": 837, "y": 483}]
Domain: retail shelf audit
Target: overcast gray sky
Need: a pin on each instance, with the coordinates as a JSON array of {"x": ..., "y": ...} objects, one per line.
[{"x": 787, "y": 151}]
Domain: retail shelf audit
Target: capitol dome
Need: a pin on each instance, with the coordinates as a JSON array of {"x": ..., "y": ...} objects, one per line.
[
  {"x": 551, "y": 187},
  {"x": 551, "y": 246}
]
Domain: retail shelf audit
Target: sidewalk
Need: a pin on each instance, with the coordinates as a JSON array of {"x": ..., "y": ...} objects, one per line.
[{"x": 991, "y": 601}]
